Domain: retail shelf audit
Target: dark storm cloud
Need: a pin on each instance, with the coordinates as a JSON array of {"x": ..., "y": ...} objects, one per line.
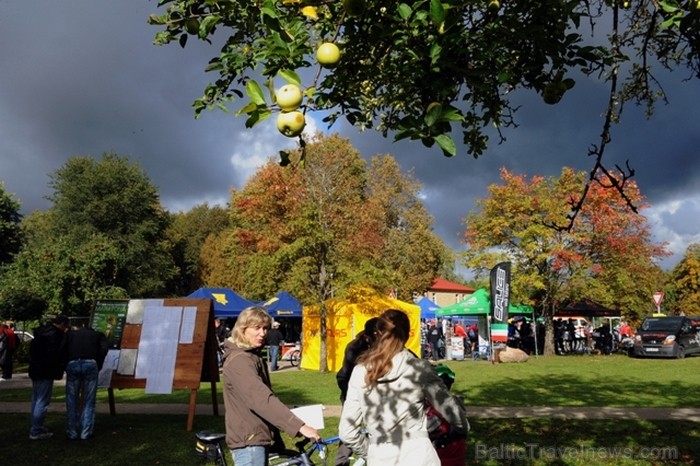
[
  {"x": 81, "y": 77},
  {"x": 92, "y": 83}
]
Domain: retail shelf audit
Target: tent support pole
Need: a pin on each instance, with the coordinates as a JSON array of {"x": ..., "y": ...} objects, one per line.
[{"x": 490, "y": 347}]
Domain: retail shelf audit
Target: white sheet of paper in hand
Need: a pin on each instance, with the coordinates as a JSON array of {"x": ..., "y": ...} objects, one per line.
[{"x": 311, "y": 415}]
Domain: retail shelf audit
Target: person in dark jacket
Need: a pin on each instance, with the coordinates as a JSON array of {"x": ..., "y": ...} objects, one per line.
[
  {"x": 274, "y": 340},
  {"x": 86, "y": 350},
  {"x": 434, "y": 337},
  {"x": 46, "y": 364},
  {"x": 353, "y": 350},
  {"x": 605, "y": 339},
  {"x": 4, "y": 349},
  {"x": 254, "y": 415},
  {"x": 11, "y": 344}
]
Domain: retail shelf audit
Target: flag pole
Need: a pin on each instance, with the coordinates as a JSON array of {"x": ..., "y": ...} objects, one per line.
[{"x": 488, "y": 330}]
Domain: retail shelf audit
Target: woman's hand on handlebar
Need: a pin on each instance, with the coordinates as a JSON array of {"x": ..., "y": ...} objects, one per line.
[{"x": 309, "y": 432}]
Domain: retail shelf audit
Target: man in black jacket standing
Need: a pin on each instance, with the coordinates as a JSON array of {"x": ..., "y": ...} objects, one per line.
[
  {"x": 46, "y": 364},
  {"x": 86, "y": 352},
  {"x": 274, "y": 340}
]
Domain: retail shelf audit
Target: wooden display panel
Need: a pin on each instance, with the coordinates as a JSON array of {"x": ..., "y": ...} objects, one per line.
[{"x": 195, "y": 361}]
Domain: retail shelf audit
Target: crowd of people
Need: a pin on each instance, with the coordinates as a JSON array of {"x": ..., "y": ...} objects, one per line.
[
  {"x": 570, "y": 336},
  {"x": 437, "y": 333},
  {"x": 587, "y": 338},
  {"x": 396, "y": 407},
  {"x": 386, "y": 391}
]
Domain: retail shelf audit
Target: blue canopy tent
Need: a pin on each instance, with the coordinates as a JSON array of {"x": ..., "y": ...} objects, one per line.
[
  {"x": 227, "y": 303},
  {"x": 283, "y": 304},
  {"x": 427, "y": 308}
]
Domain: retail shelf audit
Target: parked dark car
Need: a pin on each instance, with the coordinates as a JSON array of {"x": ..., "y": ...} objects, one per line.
[{"x": 668, "y": 337}]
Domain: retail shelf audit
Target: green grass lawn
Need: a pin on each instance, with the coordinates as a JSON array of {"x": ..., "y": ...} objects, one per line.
[{"x": 615, "y": 381}]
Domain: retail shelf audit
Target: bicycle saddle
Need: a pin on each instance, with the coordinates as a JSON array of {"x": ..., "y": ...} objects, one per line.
[{"x": 209, "y": 437}]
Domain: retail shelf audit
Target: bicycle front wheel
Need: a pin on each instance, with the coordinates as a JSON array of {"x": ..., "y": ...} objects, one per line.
[{"x": 295, "y": 358}]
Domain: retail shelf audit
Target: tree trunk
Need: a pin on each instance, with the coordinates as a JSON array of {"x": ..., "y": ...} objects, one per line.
[
  {"x": 323, "y": 287},
  {"x": 548, "y": 315}
]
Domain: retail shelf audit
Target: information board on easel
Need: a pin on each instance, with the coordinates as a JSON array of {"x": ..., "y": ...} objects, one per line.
[{"x": 159, "y": 345}]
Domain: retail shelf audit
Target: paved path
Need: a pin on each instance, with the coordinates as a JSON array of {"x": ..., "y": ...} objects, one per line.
[{"x": 476, "y": 412}]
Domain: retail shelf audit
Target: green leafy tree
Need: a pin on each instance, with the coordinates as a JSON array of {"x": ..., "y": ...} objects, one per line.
[
  {"x": 215, "y": 263},
  {"x": 607, "y": 256},
  {"x": 412, "y": 254},
  {"x": 187, "y": 234},
  {"x": 684, "y": 293},
  {"x": 20, "y": 306},
  {"x": 60, "y": 277},
  {"x": 103, "y": 237},
  {"x": 113, "y": 198},
  {"x": 10, "y": 237}
]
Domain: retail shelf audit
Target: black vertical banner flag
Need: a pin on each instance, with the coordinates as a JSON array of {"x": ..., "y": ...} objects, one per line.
[{"x": 500, "y": 292}]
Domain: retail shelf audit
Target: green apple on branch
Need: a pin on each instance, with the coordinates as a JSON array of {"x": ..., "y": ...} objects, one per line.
[
  {"x": 289, "y": 97},
  {"x": 328, "y": 55},
  {"x": 398, "y": 57},
  {"x": 291, "y": 124}
]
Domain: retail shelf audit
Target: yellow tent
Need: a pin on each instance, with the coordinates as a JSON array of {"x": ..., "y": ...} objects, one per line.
[{"x": 345, "y": 319}]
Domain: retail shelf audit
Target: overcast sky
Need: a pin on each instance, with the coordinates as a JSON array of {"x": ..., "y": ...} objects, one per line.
[{"x": 81, "y": 77}]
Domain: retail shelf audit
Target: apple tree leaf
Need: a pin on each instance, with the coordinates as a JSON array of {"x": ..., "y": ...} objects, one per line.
[
  {"x": 435, "y": 51},
  {"x": 290, "y": 76},
  {"x": 251, "y": 107},
  {"x": 451, "y": 113},
  {"x": 668, "y": 7},
  {"x": 437, "y": 12},
  {"x": 257, "y": 116},
  {"x": 433, "y": 113},
  {"x": 447, "y": 145},
  {"x": 255, "y": 92}
]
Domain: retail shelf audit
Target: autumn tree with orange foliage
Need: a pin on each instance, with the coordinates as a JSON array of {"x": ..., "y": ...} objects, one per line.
[
  {"x": 607, "y": 256},
  {"x": 318, "y": 230}
]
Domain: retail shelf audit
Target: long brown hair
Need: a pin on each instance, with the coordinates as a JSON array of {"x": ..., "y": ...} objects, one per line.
[{"x": 393, "y": 328}]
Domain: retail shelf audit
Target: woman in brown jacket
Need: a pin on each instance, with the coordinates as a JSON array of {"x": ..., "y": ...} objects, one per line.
[{"x": 253, "y": 412}]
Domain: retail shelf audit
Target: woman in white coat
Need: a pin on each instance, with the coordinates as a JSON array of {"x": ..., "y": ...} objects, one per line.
[{"x": 383, "y": 417}]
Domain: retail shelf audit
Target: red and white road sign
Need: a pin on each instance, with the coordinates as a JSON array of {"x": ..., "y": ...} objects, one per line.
[{"x": 658, "y": 298}]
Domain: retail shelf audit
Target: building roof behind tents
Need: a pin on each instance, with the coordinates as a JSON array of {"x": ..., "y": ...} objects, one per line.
[{"x": 442, "y": 285}]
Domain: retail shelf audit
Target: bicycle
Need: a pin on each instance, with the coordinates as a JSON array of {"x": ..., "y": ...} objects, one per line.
[
  {"x": 211, "y": 446},
  {"x": 291, "y": 353},
  {"x": 428, "y": 350}
]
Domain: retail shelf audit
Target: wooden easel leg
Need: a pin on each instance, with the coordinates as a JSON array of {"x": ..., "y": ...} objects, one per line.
[
  {"x": 192, "y": 409},
  {"x": 214, "y": 399}
]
